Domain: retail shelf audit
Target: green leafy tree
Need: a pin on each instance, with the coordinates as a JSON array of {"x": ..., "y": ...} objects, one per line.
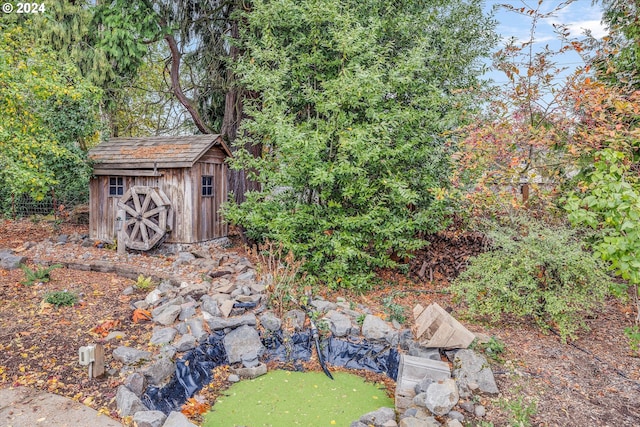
[
  {"x": 354, "y": 99},
  {"x": 115, "y": 44},
  {"x": 610, "y": 203},
  {"x": 49, "y": 114},
  {"x": 618, "y": 54}
]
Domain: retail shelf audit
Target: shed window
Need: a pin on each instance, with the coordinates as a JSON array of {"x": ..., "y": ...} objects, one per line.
[
  {"x": 116, "y": 186},
  {"x": 207, "y": 186}
]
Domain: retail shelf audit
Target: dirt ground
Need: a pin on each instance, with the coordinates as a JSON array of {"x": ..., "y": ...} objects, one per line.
[{"x": 593, "y": 381}]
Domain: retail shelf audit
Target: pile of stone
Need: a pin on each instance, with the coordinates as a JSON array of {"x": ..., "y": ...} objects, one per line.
[
  {"x": 234, "y": 302},
  {"x": 9, "y": 260}
]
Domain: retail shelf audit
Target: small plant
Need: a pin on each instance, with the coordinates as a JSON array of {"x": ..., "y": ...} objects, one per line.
[
  {"x": 492, "y": 348},
  {"x": 144, "y": 283},
  {"x": 361, "y": 318},
  {"x": 280, "y": 273},
  {"x": 520, "y": 412},
  {"x": 61, "y": 298},
  {"x": 394, "y": 310},
  {"x": 535, "y": 271},
  {"x": 39, "y": 275},
  {"x": 633, "y": 335}
]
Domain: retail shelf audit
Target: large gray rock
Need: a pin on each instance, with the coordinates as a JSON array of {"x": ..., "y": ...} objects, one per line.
[
  {"x": 154, "y": 296},
  {"x": 195, "y": 290},
  {"x": 472, "y": 372},
  {"x": 185, "y": 343},
  {"x": 247, "y": 276},
  {"x": 161, "y": 336},
  {"x": 11, "y": 262},
  {"x": 166, "y": 314},
  {"x": 4, "y": 252},
  {"x": 130, "y": 356},
  {"x": 159, "y": 372},
  {"x": 379, "y": 416},
  {"x": 243, "y": 343},
  {"x": 374, "y": 328},
  {"x": 136, "y": 383},
  {"x": 188, "y": 310},
  {"x": 270, "y": 322},
  {"x": 177, "y": 419},
  {"x": 339, "y": 323},
  {"x": 196, "y": 326},
  {"x": 217, "y": 323},
  {"x": 127, "y": 402},
  {"x": 323, "y": 306},
  {"x": 440, "y": 397},
  {"x": 210, "y": 305},
  {"x": 149, "y": 419}
]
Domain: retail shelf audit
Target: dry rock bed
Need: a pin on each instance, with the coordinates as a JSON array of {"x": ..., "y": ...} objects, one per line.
[{"x": 208, "y": 290}]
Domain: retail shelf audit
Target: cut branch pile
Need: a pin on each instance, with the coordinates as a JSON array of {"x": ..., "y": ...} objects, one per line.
[{"x": 447, "y": 254}]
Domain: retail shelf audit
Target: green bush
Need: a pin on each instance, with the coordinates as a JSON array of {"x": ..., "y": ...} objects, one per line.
[
  {"x": 353, "y": 163},
  {"x": 61, "y": 298},
  {"x": 535, "y": 270}
]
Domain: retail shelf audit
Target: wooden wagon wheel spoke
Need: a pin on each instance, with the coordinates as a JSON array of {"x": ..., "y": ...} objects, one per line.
[
  {"x": 134, "y": 231},
  {"x": 135, "y": 199},
  {"x": 148, "y": 217},
  {"x": 153, "y": 212},
  {"x": 130, "y": 211},
  {"x": 153, "y": 226},
  {"x": 146, "y": 203}
]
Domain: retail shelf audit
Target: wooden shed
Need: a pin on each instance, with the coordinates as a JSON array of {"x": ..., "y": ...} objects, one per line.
[{"x": 171, "y": 189}]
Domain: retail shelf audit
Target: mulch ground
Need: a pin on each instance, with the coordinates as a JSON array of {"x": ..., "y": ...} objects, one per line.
[{"x": 593, "y": 381}]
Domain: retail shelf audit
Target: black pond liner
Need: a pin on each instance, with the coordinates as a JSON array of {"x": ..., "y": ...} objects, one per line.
[{"x": 194, "y": 370}]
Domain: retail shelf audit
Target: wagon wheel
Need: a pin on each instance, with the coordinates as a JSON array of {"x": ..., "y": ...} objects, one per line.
[{"x": 148, "y": 217}]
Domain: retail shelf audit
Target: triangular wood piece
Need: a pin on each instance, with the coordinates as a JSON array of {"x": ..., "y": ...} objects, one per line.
[{"x": 435, "y": 328}]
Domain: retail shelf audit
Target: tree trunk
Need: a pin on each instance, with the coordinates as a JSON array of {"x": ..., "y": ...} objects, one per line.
[
  {"x": 239, "y": 183},
  {"x": 177, "y": 88}
]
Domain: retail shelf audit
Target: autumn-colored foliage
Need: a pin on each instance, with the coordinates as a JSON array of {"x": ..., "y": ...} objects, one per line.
[
  {"x": 193, "y": 407},
  {"x": 140, "y": 315},
  {"x": 105, "y": 327}
]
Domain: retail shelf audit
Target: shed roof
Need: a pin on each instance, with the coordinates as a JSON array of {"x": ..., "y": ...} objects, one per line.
[{"x": 156, "y": 151}]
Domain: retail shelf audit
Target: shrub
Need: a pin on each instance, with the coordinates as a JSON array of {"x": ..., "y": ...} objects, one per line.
[
  {"x": 535, "y": 270},
  {"x": 61, "y": 298}
]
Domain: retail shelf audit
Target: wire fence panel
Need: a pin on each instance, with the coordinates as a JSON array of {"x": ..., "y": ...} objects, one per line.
[{"x": 59, "y": 203}]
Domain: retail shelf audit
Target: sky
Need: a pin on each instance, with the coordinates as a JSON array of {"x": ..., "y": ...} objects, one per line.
[{"x": 579, "y": 16}]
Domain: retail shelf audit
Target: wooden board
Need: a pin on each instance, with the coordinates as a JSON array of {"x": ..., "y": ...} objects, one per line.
[
  {"x": 98, "y": 364},
  {"x": 435, "y": 328}
]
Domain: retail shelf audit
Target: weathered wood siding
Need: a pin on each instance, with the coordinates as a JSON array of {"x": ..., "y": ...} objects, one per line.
[
  {"x": 207, "y": 221},
  {"x": 196, "y": 217},
  {"x": 103, "y": 207}
]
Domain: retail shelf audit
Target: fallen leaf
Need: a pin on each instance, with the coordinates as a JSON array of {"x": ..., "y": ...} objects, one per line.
[
  {"x": 140, "y": 315},
  {"x": 104, "y": 328},
  {"x": 194, "y": 407}
]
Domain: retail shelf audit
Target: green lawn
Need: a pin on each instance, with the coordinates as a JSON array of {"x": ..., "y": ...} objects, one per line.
[{"x": 283, "y": 398}]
